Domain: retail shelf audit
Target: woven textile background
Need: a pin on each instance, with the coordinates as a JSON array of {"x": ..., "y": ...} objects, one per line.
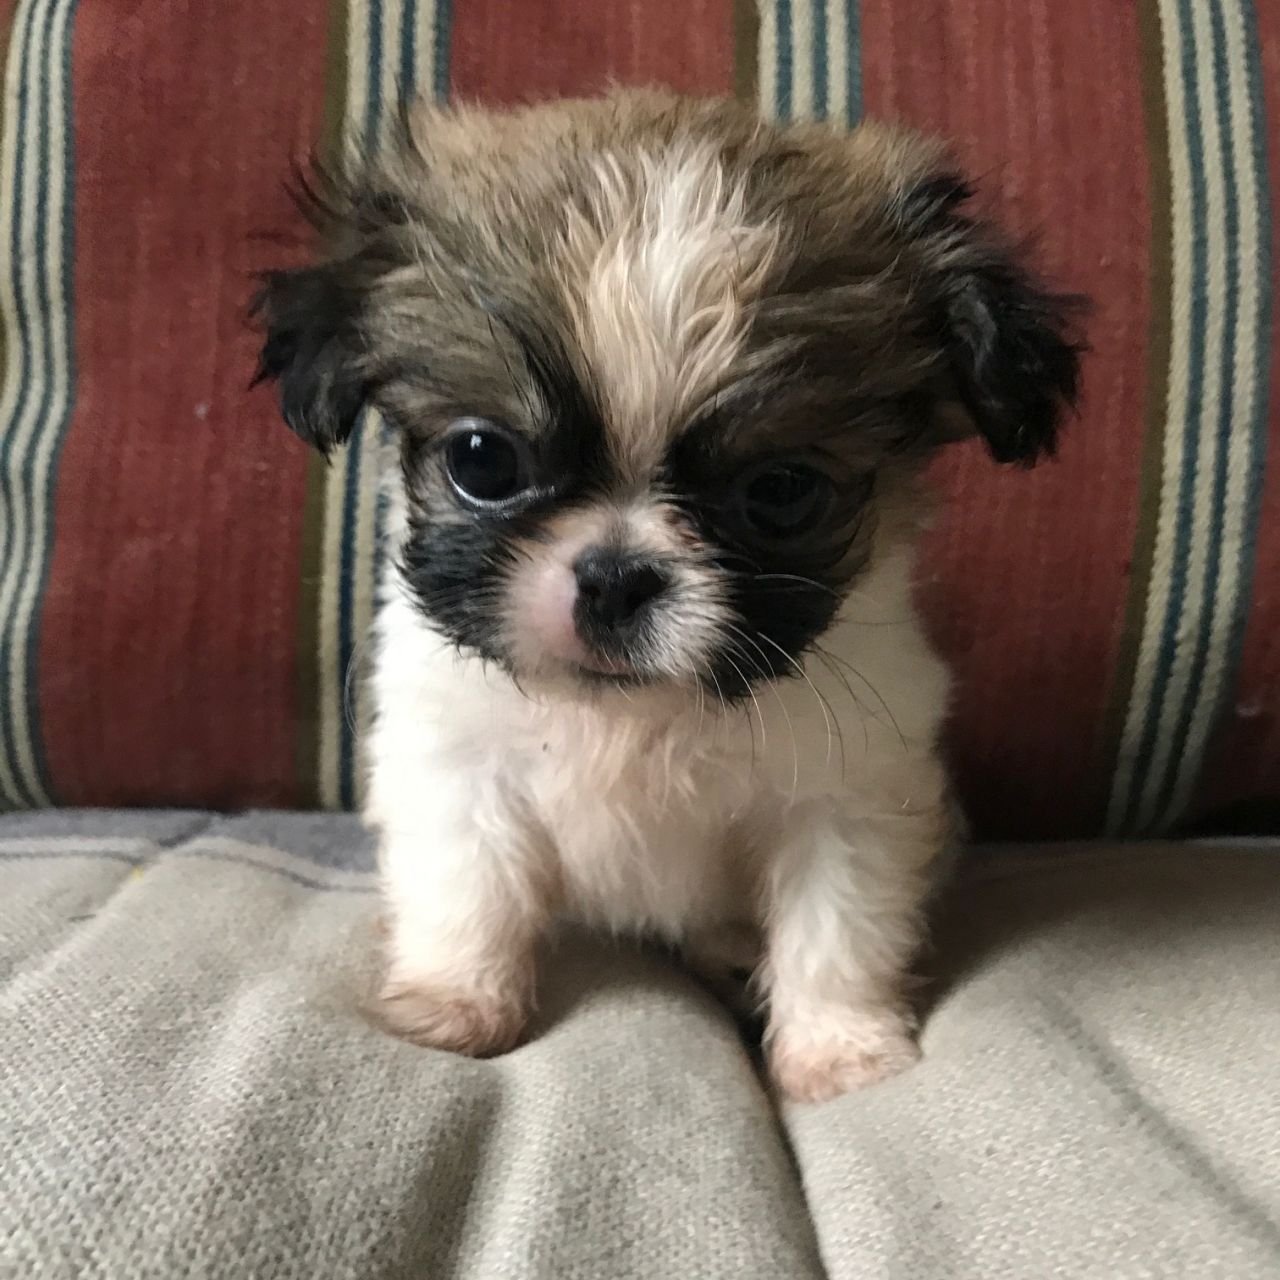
[{"x": 183, "y": 589}]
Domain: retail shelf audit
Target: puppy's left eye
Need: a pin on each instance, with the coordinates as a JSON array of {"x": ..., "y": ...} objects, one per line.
[
  {"x": 782, "y": 500},
  {"x": 487, "y": 466}
]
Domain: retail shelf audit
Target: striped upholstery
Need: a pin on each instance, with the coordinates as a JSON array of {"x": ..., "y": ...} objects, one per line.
[{"x": 183, "y": 590}]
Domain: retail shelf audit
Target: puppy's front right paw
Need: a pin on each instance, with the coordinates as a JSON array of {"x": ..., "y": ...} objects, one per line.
[
  {"x": 459, "y": 1020},
  {"x": 840, "y": 1055}
]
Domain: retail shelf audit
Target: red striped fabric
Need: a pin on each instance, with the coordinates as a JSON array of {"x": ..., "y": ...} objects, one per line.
[
  {"x": 1025, "y": 573},
  {"x": 169, "y": 622},
  {"x": 515, "y": 53},
  {"x": 194, "y": 608}
]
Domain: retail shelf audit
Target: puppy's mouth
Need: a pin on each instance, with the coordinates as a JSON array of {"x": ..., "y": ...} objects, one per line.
[
  {"x": 601, "y": 664},
  {"x": 599, "y": 669}
]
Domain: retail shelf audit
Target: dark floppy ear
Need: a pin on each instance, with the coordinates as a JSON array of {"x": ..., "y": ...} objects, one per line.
[
  {"x": 1012, "y": 364},
  {"x": 310, "y": 348}
]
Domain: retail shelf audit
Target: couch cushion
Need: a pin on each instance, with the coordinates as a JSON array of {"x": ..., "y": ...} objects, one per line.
[
  {"x": 1098, "y": 1096},
  {"x": 183, "y": 590},
  {"x": 190, "y": 1087}
]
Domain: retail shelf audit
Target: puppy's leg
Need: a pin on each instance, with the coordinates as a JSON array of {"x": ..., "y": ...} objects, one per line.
[
  {"x": 846, "y": 897},
  {"x": 464, "y": 879}
]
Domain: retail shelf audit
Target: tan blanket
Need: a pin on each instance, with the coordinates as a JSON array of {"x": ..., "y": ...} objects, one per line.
[{"x": 188, "y": 1087}]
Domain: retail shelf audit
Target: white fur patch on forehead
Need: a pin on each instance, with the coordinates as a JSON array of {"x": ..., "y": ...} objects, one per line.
[{"x": 665, "y": 266}]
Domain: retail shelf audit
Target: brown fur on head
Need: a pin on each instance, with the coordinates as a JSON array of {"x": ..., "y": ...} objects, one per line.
[{"x": 676, "y": 323}]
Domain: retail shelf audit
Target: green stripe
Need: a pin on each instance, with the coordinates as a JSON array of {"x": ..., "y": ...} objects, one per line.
[
  {"x": 784, "y": 68},
  {"x": 333, "y": 137},
  {"x": 853, "y": 84},
  {"x": 821, "y": 99},
  {"x": 1156, "y": 416},
  {"x": 308, "y": 682}
]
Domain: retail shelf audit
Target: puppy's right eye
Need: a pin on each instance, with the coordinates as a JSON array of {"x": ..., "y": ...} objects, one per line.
[{"x": 487, "y": 466}]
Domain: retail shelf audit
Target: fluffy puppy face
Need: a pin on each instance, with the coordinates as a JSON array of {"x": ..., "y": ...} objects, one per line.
[{"x": 662, "y": 374}]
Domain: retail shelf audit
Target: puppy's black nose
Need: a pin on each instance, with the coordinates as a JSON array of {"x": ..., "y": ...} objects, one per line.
[{"x": 613, "y": 588}]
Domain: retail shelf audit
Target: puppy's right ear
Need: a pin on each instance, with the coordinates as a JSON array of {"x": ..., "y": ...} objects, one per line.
[{"x": 311, "y": 350}]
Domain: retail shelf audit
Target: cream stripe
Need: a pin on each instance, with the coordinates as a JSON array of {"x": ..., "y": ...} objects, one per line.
[
  {"x": 14, "y": 68},
  {"x": 1157, "y": 602},
  {"x": 389, "y": 72},
  {"x": 1244, "y": 382},
  {"x": 33, "y": 434},
  {"x": 364, "y": 571},
  {"x": 767, "y": 75},
  {"x": 802, "y": 55},
  {"x": 12, "y": 527},
  {"x": 358, "y": 19},
  {"x": 426, "y": 48},
  {"x": 767, "y": 56},
  {"x": 838, "y": 61},
  {"x": 48, "y": 429},
  {"x": 329, "y": 712},
  {"x": 330, "y": 684},
  {"x": 1209, "y": 434}
]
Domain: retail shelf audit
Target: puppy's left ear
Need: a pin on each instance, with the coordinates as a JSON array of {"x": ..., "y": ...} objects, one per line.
[
  {"x": 311, "y": 349},
  {"x": 1012, "y": 363}
]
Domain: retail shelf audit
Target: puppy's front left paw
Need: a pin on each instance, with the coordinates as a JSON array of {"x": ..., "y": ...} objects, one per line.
[
  {"x": 812, "y": 1065},
  {"x": 460, "y": 1021}
]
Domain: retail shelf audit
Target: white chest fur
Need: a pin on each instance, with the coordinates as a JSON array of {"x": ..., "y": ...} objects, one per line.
[{"x": 643, "y": 810}]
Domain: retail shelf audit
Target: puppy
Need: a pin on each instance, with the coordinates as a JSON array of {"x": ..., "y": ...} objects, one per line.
[{"x": 664, "y": 378}]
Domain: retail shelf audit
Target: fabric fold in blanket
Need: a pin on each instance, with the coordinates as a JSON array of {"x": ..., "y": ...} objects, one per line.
[{"x": 190, "y": 1086}]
